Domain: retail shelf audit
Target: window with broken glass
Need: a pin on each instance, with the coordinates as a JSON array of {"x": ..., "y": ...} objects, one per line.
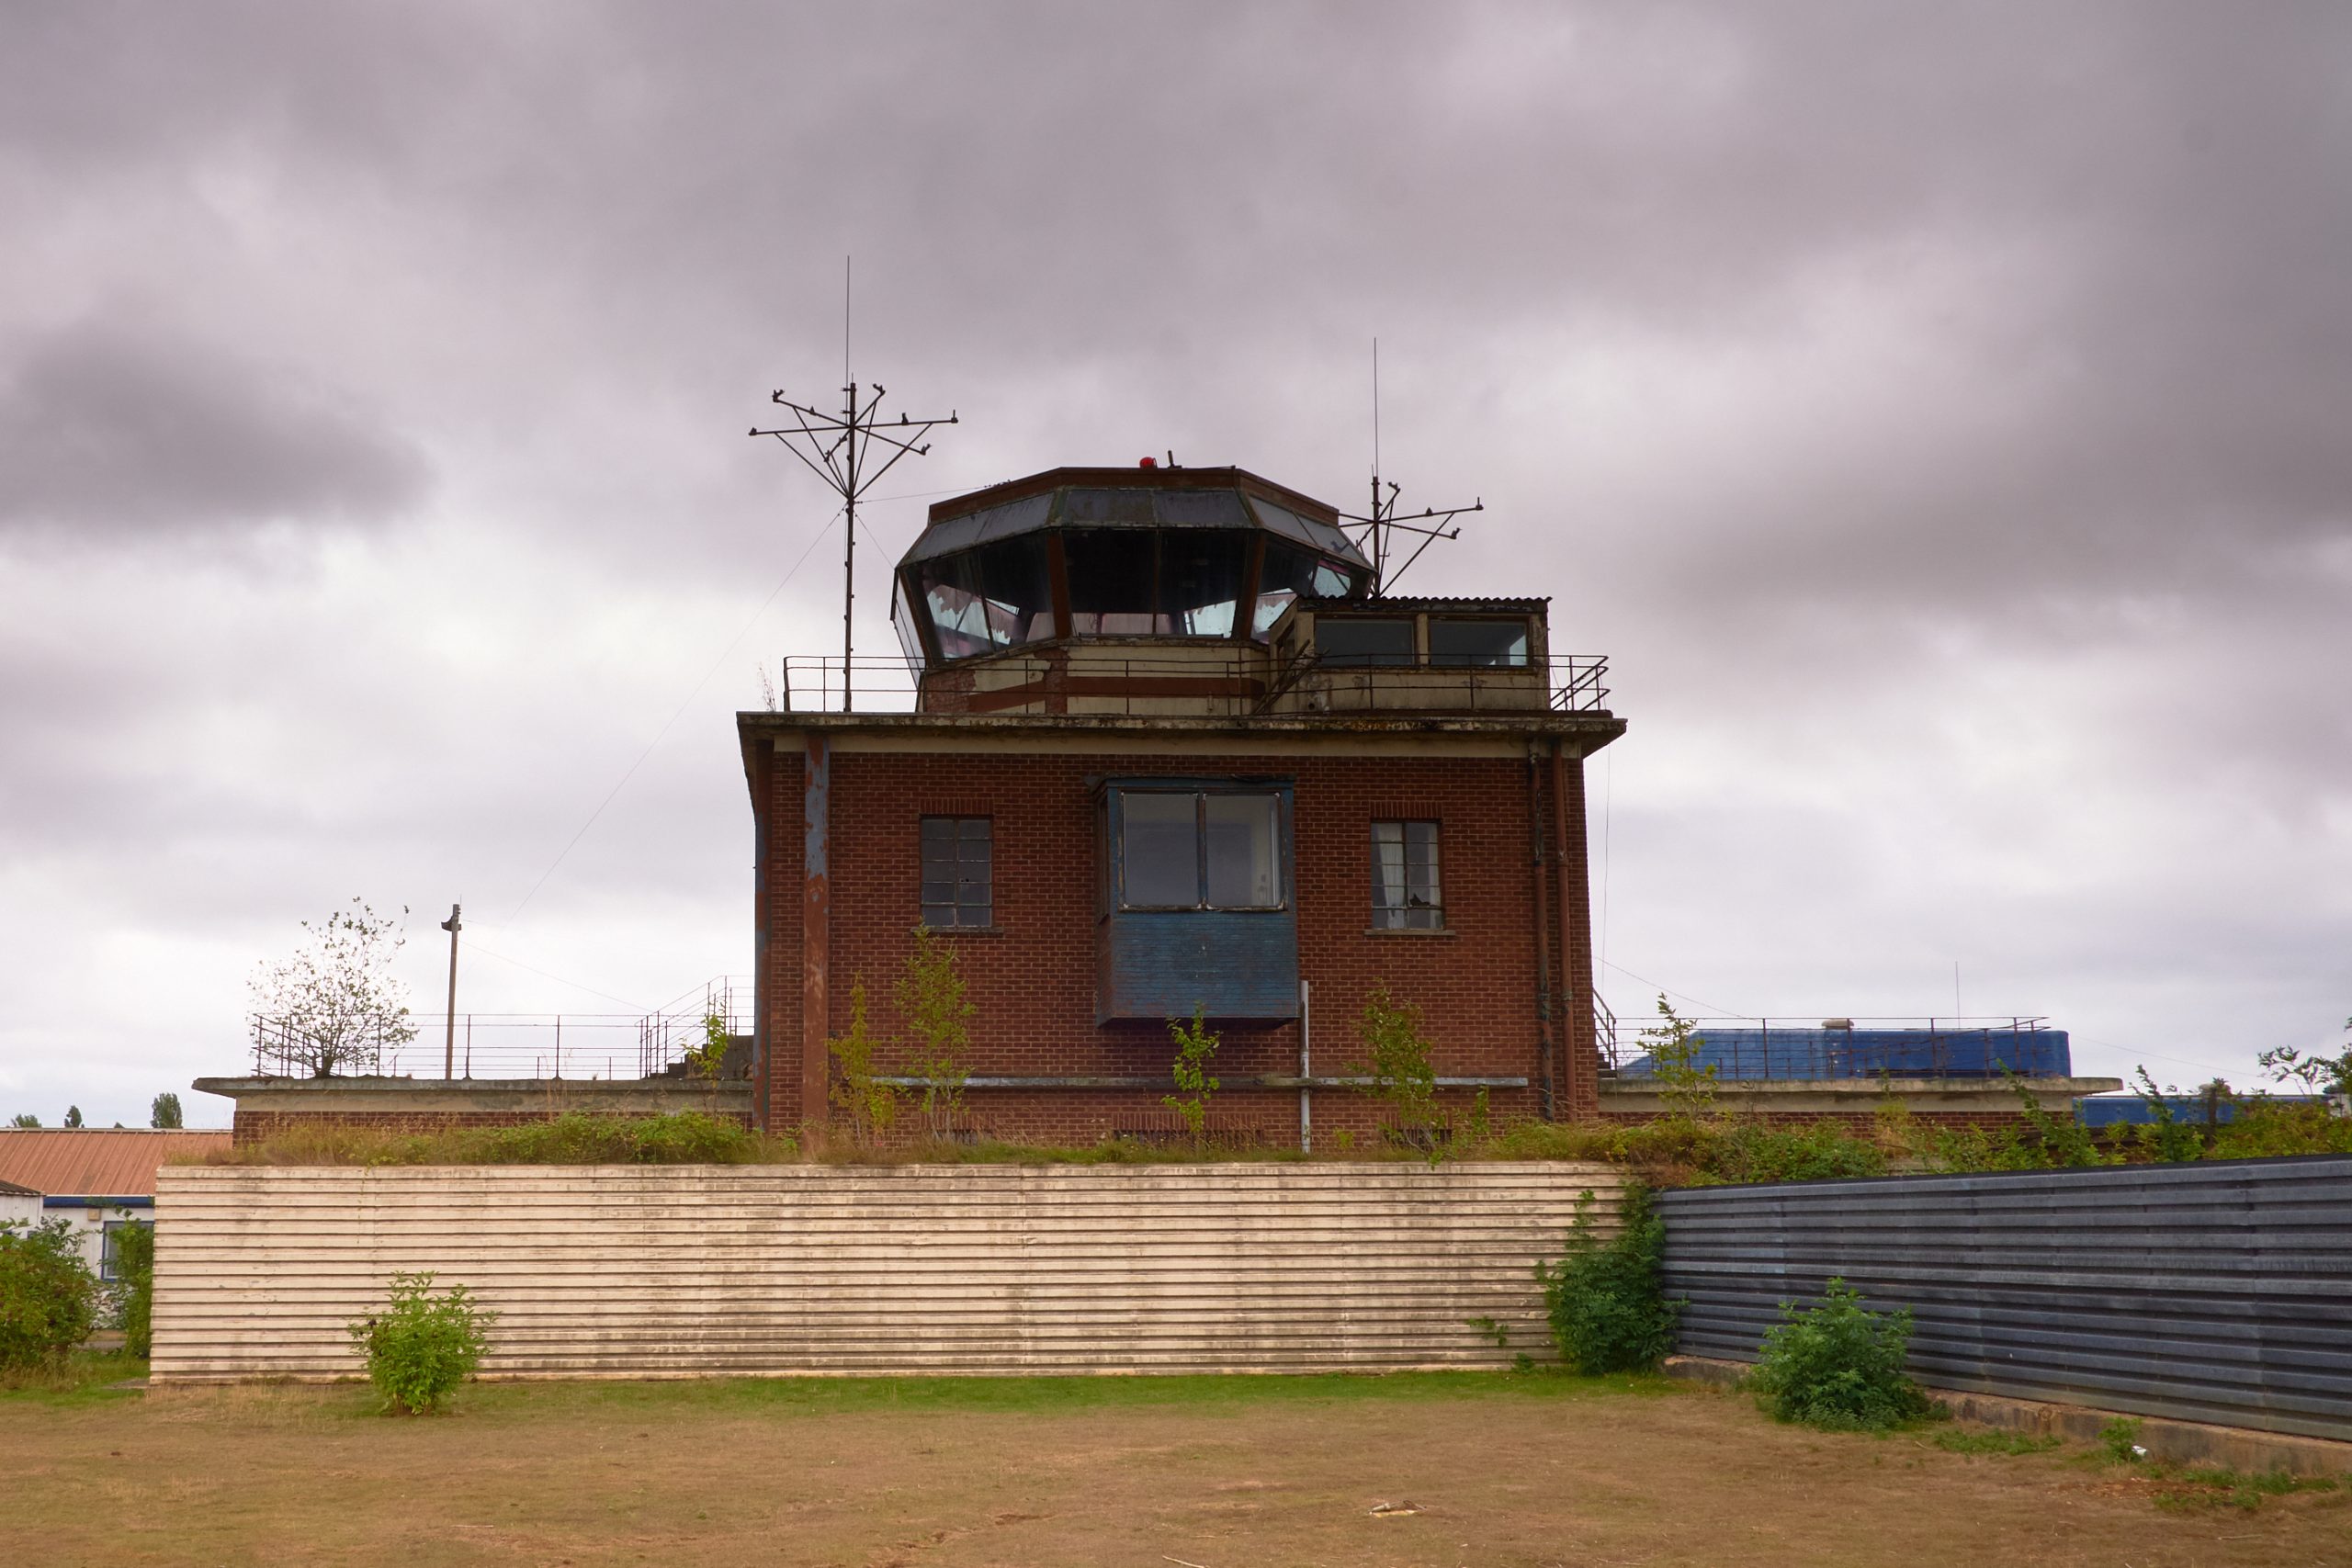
[
  {"x": 1405, "y": 896},
  {"x": 957, "y": 851}
]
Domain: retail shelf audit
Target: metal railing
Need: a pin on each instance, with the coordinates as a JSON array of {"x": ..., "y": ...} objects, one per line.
[
  {"x": 1248, "y": 682},
  {"x": 511, "y": 1044},
  {"x": 1860, "y": 1047}
]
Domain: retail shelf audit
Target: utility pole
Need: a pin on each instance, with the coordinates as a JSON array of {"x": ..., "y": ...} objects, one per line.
[
  {"x": 837, "y": 452},
  {"x": 453, "y": 925}
]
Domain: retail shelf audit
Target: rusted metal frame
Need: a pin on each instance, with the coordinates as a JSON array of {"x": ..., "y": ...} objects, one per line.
[
  {"x": 1578, "y": 1086},
  {"x": 816, "y": 930},
  {"x": 1245, "y": 608},
  {"x": 759, "y": 762},
  {"x": 1057, "y": 581},
  {"x": 1544, "y": 1048}
]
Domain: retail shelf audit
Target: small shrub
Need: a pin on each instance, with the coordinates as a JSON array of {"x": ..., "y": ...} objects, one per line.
[
  {"x": 422, "y": 1345},
  {"x": 1607, "y": 1312},
  {"x": 49, "y": 1299},
  {"x": 132, "y": 1292},
  {"x": 1839, "y": 1366},
  {"x": 1196, "y": 1048}
]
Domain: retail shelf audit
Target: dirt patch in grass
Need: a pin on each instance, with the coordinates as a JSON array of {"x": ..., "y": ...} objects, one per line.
[{"x": 1224, "y": 1473}]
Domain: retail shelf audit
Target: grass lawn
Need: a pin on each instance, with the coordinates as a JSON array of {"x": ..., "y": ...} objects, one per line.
[{"x": 1218, "y": 1472}]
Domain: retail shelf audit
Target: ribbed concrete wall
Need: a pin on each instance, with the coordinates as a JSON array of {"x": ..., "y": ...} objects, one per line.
[{"x": 618, "y": 1272}]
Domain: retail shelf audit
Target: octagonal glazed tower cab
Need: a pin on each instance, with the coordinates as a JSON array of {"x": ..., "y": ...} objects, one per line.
[{"x": 1169, "y": 592}]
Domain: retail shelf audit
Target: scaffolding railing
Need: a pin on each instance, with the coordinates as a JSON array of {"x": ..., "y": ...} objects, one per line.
[
  {"x": 1752, "y": 1049},
  {"x": 1248, "y": 682},
  {"x": 509, "y": 1046}
]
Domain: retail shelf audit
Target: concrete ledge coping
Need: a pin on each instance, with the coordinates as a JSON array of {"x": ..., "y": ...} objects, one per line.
[
  {"x": 389, "y": 1095},
  {"x": 2176, "y": 1442}
]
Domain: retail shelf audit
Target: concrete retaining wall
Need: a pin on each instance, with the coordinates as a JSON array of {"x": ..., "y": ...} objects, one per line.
[{"x": 703, "y": 1270}]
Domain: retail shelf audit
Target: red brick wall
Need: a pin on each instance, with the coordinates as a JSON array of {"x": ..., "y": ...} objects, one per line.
[{"x": 1033, "y": 976}]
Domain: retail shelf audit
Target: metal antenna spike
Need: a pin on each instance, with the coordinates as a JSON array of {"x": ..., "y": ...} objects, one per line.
[{"x": 836, "y": 445}]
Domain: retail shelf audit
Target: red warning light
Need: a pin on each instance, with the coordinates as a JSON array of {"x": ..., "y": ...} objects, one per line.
[{"x": 1148, "y": 463}]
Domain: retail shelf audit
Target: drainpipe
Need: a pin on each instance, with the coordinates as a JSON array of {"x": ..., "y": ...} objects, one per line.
[
  {"x": 1569, "y": 1000},
  {"x": 1305, "y": 1067},
  {"x": 1546, "y": 1101}
]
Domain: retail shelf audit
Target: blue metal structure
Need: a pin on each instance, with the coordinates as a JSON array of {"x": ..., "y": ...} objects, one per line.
[
  {"x": 2208, "y": 1292},
  {"x": 1774, "y": 1051}
]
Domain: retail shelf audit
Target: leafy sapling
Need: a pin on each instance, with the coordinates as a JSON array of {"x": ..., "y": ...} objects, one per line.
[
  {"x": 1398, "y": 1068},
  {"x": 930, "y": 995},
  {"x": 1196, "y": 1046}
]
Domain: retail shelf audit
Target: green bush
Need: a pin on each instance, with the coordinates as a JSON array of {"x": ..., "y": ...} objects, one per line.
[
  {"x": 422, "y": 1345},
  {"x": 49, "y": 1299},
  {"x": 1607, "y": 1312},
  {"x": 132, "y": 1292},
  {"x": 1839, "y": 1366}
]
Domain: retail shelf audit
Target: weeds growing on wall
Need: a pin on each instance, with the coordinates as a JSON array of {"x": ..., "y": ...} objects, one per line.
[
  {"x": 1197, "y": 1046},
  {"x": 930, "y": 996},
  {"x": 1398, "y": 1067},
  {"x": 49, "y": 1299},
  {"x": 423, "y": 1345},
  {"x": 684, "y": 1137},
  {"x": 1609, "y": 1313},
  {"x": 868, "y": 1106},
  {"x": 1839, "y": 1366}
]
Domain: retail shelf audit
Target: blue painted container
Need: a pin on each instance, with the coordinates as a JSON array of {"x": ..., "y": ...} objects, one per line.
[
  {"x": 2133, "y": 1111},
  {"x": 1738, "y": 1054}
]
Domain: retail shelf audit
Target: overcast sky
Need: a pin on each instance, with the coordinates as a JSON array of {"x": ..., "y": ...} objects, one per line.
[{"x": 1937, "y": 414}]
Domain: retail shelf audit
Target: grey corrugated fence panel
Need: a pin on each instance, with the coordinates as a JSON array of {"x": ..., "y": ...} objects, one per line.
[
  {"x": 2218, "y": 1292},
  {"x": 619, "y": 1271}
]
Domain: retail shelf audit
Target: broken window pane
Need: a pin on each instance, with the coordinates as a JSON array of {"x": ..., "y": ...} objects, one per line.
[
  {"x": 1200, "y": 581},
  {"x": 1292, "y": 573},
  {"x": 1404, "y": 893},
  {"x": 1111, "y": 580}
]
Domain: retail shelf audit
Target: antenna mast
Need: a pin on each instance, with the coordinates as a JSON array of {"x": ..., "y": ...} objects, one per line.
[
  {"x": 1378, "y": 530},
  {"x": 836, "y": 447}
]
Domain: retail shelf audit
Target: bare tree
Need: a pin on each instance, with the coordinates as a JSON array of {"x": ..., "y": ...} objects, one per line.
[{"x": 335, "y": 1004}]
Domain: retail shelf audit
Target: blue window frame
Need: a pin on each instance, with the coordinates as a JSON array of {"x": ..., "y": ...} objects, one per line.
[{"x": 1196, "y": 909}]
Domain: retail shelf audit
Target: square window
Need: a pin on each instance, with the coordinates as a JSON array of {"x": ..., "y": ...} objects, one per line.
[
  {"x": 1479, "y": 644},
  {"x": 1200, "y": 850},
  {"x": 958, "y": 856},
  {"x": 1405, "y": 891},
  {"x": 1348, "y": 641}
]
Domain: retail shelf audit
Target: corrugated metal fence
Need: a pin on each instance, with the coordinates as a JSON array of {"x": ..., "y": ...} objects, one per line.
[
  {"x": 2216, "y": 1292},
  {"x": 619, "y": 1271}
]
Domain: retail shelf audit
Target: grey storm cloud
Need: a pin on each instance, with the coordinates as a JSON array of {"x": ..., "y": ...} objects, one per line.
[
  {"x": 1935, "y": 411},
  {"x": 108, "y": 428}
]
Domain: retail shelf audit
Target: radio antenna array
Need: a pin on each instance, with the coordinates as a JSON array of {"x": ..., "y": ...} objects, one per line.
[
  {"x": 837, "y": 446},
  {"x": 1376, "y": 534}
]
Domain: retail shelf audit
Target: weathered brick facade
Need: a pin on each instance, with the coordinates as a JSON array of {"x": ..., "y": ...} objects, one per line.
[{"x": 1489, "y": 984}]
